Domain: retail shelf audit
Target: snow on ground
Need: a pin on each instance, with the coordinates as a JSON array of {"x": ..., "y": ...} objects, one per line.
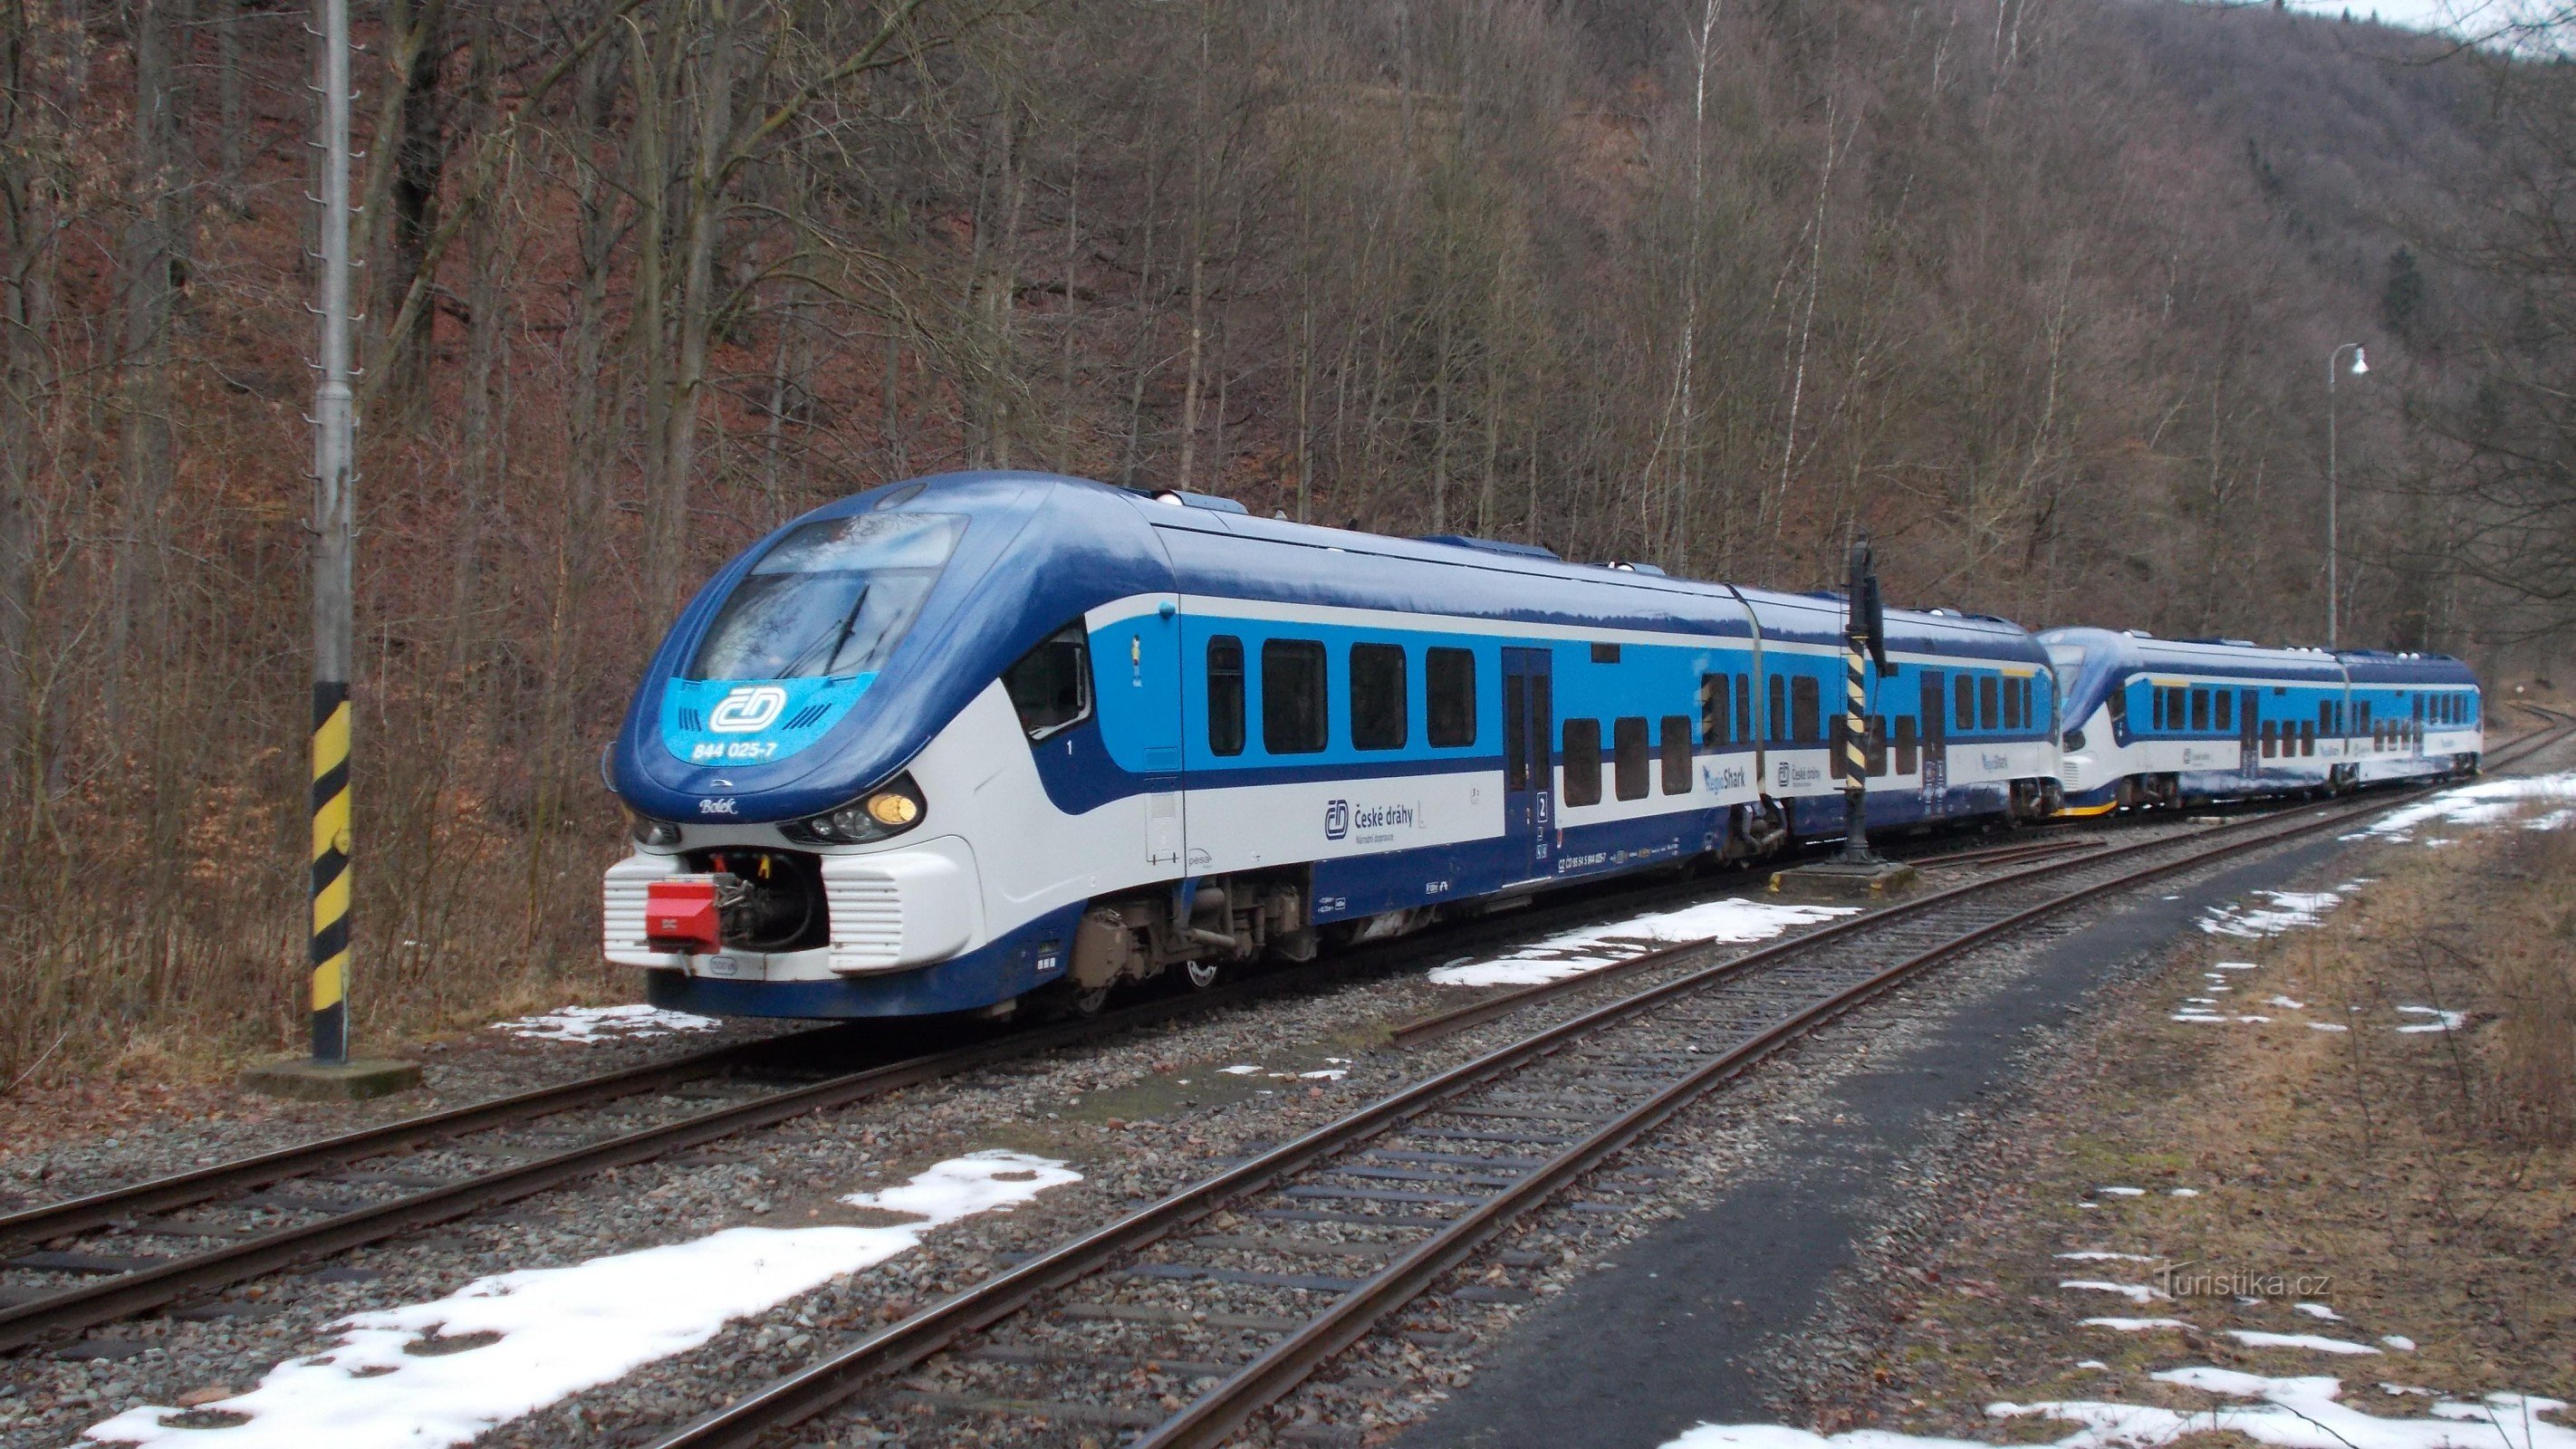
[
  {"x": 2096, "y": 1256},
  {"x": 391, "y": 1381},
  {"x": 2252, "y": 1339},
  {"x": 2289, "y": 911},
  {"x": 2483, "y": 802},
  {"x": 605, "y": 1023},
  {"x": 2134, "y": 1292},
  {"x": 2287, "y": 1413},
  {"x": 2442, "y": 1020},
  {"x": 1734, "y": 920}
]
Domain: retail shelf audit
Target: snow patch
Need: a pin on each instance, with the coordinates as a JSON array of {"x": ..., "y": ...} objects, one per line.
[
  {"x": 588, "y": 1024},
  {"x": 2299, "y": 1413},
  {"x": 2254, "y": 1339},
  {"x": 2442, "y": 1020},
  {"x": 2134, "y": 1325},
  {"x": 2134, "y": 1292},
  {"x": 2096, "y": 1256},
  {"x": 387, "y": 1383},
  {"x": 2122, "y": 1191},
  {"x": 1734, "y": 921},
  {"x": 2485, "y": 802},
  {"x": 2289, "y": 911},
  {"x": 2317, "y": 1310},
  {"x": 2398, "y": 1341}
]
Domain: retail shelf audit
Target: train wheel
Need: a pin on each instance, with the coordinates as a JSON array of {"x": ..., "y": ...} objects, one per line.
[
  {"x": 1201, "y": 974},
  {"x": 1069, "y": 1000}
]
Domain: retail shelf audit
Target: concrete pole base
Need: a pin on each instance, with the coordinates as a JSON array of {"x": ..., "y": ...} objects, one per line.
[
  {"x": 305, "y": 1080},
  {"x": 1870, "y": 880}
]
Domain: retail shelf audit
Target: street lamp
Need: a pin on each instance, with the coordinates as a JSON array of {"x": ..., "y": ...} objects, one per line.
[{"x": 2334, "y": 600}]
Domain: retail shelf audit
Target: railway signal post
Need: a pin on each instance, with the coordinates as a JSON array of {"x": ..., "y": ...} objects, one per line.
[
  {"x": 330, "y": 1072},
  {"x": 1855, "y": 871}
]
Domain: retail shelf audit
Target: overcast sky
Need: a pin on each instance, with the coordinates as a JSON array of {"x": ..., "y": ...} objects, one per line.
[{"x": 2472, "y": 17}]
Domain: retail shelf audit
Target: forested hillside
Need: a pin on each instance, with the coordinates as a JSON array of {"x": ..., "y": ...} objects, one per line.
[{"x": 2040, "y": 292}]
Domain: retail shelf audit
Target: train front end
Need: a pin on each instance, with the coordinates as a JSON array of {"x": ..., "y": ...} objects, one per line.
[{"x": 809, "y": 766}]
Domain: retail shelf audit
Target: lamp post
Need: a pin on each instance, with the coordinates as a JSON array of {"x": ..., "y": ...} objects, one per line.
[{"x": 2334, "y": 599}]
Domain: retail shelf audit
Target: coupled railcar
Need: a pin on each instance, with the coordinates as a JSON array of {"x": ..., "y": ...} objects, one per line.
[
  {"x": 951, "y": 742},
  {"x": 2157, "y": 722}
]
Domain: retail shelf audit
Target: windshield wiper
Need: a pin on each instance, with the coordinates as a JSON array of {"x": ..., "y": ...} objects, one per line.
[{"x": 840, "y": 639}]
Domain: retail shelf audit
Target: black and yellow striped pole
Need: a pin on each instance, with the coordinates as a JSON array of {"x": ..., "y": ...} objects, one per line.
[
  {"x": 330, "y": 954},
  {"x": 1864, "y": 636}
]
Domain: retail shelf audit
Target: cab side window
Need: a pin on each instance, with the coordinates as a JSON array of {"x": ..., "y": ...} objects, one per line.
[
  {"x": 1050, "y": 685},
  {"x": 1225, "y": 695}
]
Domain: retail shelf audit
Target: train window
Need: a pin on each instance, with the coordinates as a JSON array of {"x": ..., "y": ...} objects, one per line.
[
  {"x": 1873, "y": 745},
  {"x": 1806, "y": 711},
  {"x": 1779, "y": 722},
  {"x": 1906, "y": 762},
  {"x": 1516, "y": 775},
  {"x": 2119, "y": 702},
  {"x": 1743, "y": 708},
  {"x": 2307, "y": 738},
  {"x": 1292, "y": 696},
  {"x": 2325, "y": 715},
  {"x": 1988, "y": 714},
  {"x": 1713, "y": 711},
  {"x": 2200, "y": 709},
  {"x": 2271, "y": 743},
  {"x": 1675, "y": 754},
  {"x": 1605, "y": 653},
  {"x": 1583, "y": 762},
  {"x": 2176, "y": 701},
  {"x": 2226, "y": 710},
  {"x": 1050, "y": 685},
  {"x": 1377, "y": 697},
  {"x": 1449, "y": 697},
  {"x": 1225, "y": 695},
  {"x": 1967, "y": 702},
  {"x": 1628, "y": 756},
  {"x": 2012, "y": 704}
]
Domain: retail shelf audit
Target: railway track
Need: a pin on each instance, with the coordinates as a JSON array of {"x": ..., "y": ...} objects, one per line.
[
  {"x": 1181, "y": 1322},
  {"x": 178, "y": 1240}
]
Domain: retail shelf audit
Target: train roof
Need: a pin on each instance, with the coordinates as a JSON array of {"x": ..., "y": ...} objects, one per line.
[
  {"x": 2383, "y": 666},
  {"x": 2137, "y": 650}
]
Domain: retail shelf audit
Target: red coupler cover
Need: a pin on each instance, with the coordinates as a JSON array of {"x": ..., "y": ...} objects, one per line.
[{"x": 680, "y": 914}]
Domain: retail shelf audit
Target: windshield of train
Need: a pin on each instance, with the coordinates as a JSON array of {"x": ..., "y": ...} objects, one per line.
[
  {"x": 2067, "y": 661},
  {"x": 830, "y": 599}
]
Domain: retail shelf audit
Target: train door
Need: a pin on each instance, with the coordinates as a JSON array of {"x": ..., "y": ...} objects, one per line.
[
  {"x": 1529, "y": 759},
  {"x": 1153, "y": 670},
  {"x": 2249, "y": 755},
  {"x": 2415, "y": 733},
  {"x": 1936, "y": 750}
]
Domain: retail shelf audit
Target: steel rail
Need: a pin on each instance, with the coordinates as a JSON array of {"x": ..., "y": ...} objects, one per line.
[
  {"x": 799, "y": 1396},
  {"x": 304, "y": 1159}
]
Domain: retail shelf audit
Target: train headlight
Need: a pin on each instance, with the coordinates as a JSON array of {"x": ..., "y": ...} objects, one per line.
[
  {"x": 889, "y": 810},
  {"x": 660, "y": 834}
]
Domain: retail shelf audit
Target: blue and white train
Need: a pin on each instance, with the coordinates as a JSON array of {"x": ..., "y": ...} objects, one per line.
[
  {"x": 2158, "y": 722},
  {"x": 962, "y": 742}
]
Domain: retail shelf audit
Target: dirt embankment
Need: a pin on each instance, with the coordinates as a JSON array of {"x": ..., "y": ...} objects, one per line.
[{"x": 2334, "y": 1146}]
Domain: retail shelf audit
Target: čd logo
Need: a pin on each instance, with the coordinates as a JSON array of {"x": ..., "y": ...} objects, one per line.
[{"x": 752, "y": 707}]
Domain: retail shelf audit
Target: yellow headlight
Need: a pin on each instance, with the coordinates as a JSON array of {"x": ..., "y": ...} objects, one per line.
[{"x": 892, "y": 809}]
